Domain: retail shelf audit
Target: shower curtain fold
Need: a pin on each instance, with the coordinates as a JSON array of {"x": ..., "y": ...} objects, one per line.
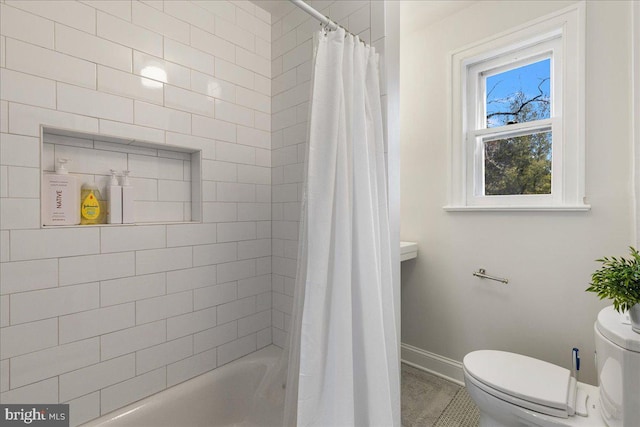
[{"x": 343, "y": 359}]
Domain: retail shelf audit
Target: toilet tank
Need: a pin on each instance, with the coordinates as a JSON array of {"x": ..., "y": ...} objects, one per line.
[{"x": 618, "y": 364}]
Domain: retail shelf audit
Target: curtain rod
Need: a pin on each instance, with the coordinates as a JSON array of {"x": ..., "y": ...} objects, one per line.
[
  {"x": 324, "y": 20},
  {"x": 320, "y": 17}
]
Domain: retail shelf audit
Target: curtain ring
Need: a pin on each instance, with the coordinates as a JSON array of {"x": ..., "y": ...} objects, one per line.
[{"x": 323, "y": 27}]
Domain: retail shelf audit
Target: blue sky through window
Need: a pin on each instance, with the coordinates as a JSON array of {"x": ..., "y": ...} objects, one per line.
[{"x": 503, "y": 88}]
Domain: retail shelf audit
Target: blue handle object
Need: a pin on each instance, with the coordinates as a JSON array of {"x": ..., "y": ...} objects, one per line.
[{"x": 576, "y": 360}]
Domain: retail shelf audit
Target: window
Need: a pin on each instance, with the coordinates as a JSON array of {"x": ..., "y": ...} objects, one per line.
[{"x": 517, "y": 140}]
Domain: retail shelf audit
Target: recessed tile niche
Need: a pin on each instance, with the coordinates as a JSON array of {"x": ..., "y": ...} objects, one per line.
[{"x": 166, "y": 179}]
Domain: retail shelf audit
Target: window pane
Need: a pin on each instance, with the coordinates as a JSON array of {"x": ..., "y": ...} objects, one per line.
[
  {"x": 518, "y": 165},
  {"x": 519, "y": 95}
]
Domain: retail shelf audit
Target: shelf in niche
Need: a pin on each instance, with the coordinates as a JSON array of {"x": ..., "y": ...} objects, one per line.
[
  {"x": 135, "y": 224},
  {"x": 167, "y": 179}
]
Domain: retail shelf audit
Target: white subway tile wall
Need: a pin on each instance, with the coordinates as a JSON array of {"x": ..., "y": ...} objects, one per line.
[
  {"x": 100, "y": 317},
  {"x": 103, "y": 316},
  {"x": 291, "y": 63}
]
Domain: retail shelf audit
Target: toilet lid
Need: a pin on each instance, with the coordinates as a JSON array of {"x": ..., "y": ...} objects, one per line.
[
  {"x": 520, "y": 376},
  {"x": 611, "y": 324}
]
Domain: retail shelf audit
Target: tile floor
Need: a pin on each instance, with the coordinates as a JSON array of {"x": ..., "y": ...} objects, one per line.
[{"x": 425, "y": 398}]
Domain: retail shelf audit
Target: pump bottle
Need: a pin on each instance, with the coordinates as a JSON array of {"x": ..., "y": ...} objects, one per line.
[
  {"x": 114, "y": 199},
  {"x": 60, "y": 197},
  {"x": 127, "y": 199}
]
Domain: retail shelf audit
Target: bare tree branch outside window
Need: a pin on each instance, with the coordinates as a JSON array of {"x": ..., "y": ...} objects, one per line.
[{"x": 519, "y": 164}]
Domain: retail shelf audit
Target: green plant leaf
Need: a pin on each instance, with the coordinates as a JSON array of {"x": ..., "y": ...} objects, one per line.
[{"x": 618, "y": 279}]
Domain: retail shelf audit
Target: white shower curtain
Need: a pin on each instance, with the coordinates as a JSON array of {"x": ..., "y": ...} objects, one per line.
[{"x": 343, "y": 365}]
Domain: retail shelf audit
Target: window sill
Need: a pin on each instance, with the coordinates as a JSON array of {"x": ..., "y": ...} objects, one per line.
[{"x": 541, "y": 208}]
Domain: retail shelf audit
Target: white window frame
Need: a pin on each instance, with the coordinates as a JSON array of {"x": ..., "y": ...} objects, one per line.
[{"x": 559, "y": 36}]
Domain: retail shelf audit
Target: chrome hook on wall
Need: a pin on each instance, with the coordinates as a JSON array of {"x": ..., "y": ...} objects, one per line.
[{"x": 482, "y": 273}]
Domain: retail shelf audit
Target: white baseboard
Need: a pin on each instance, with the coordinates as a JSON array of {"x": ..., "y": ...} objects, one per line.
[{"x": 441, "y": 366}]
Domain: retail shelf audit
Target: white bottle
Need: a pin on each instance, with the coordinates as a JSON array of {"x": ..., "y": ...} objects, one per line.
[
  {"x": 127, "y": 199},
  {"x": 60, "y": 197},
  {"x": 114, "y": 198}
]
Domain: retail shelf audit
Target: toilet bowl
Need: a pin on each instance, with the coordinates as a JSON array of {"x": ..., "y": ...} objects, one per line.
[{"x": 513, "y": 390}]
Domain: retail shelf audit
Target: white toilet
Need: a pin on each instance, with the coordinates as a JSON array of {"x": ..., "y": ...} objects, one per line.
[{"x": 512, "y": 390}]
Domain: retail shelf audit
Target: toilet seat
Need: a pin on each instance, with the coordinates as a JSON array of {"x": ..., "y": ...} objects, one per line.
[{"x": 523, "y": 381}]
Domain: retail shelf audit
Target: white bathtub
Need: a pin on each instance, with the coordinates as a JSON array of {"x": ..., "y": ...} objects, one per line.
[{"x": 223, "y": 397}]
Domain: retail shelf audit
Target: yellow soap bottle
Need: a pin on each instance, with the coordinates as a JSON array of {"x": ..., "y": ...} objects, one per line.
[{"x": 91, "y": 205}]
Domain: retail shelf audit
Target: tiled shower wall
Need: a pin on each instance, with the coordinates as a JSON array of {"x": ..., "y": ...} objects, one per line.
[
  {"x": 292, "y": 50},
  {"x": 102, "y": 316}
]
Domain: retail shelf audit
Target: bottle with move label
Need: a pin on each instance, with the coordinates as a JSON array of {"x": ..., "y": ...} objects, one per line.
[
  {"x": 60, "y": 197},
  {"x": 114, "y": 198},
  {"x": 127, "y": 199}
]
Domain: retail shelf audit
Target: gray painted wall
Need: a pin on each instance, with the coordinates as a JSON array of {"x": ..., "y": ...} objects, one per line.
[{"x": 548, "y": 256}]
